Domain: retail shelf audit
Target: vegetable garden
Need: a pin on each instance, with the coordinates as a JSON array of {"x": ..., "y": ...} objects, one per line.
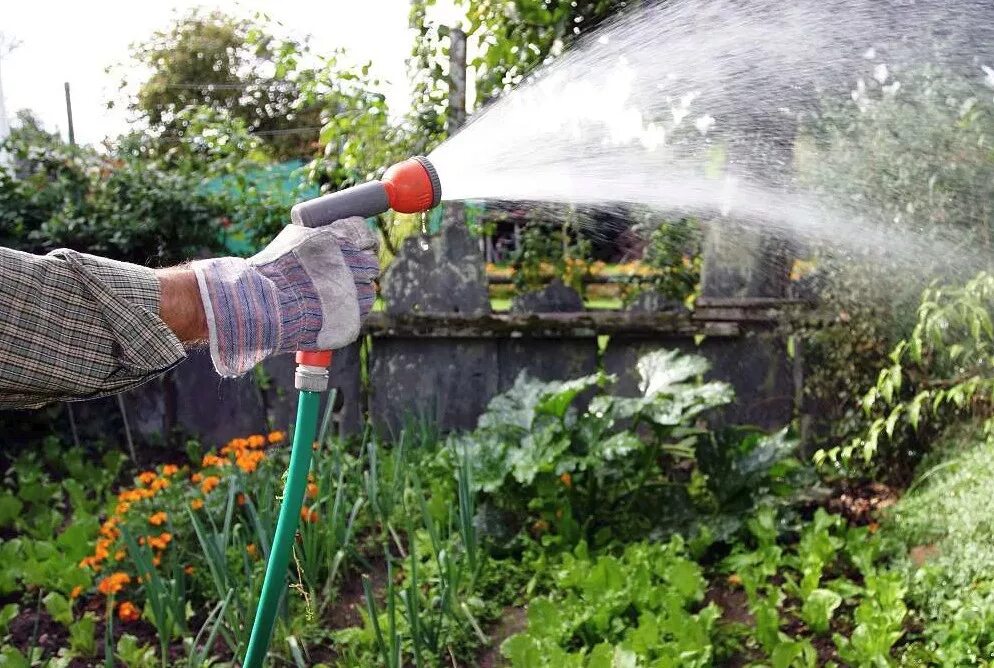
[
  {"x": 575, "y": 525},
  {"x": 572, "y": 527}
]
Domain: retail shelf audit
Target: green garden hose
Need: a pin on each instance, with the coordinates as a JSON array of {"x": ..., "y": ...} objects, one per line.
[
  {"x": 411, "y": 186},
  {"x": 309, "y": 383}
]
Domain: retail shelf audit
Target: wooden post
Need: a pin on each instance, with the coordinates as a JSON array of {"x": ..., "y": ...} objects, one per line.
[
  {"x": 72, "y": 133},
  {"x": 457, "y": 80}
]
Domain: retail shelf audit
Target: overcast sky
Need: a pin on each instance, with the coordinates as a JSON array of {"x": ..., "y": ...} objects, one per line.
[{"x": 63, "y": 40}]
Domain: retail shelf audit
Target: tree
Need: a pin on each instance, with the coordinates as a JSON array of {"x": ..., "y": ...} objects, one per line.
[
  {"x": 515, "y": 37},
  {"x": 234, "y": 67}
]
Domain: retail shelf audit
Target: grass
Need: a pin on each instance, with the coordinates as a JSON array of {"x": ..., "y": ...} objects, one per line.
[{"x": 945, "y": 533}]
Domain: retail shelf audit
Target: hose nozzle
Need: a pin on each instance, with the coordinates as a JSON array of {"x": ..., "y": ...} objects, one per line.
[{"x": 411, "y": 186}]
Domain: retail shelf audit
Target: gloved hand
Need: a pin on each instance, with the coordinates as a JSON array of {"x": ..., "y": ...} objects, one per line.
[{"x": 309, "y": 289}]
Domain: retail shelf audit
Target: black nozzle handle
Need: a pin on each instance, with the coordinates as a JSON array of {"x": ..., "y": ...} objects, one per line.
[{"x": 364, "y": 200}]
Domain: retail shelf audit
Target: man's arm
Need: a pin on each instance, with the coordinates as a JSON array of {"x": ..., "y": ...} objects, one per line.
[
  {"x": 180, "y": 306},
  {"x": 76, "y": 326}
]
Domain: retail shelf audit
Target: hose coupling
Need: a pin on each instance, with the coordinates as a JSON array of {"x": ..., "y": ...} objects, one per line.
[{"x": 312, "y": 370}]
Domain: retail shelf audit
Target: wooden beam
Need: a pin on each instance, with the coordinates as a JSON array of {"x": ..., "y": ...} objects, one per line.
[{"x": 588, "y": 324}]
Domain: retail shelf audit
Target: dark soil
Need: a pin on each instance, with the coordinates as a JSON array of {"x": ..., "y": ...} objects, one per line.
[
  {"x": 348, "y": 602},
  {"x": 51, "y": 636},
  {"x": 37, "y": 628},
  {"x": 860, "y": 502},
  {"x": 733, "y": 603},
  {"x": 512, "y": 620}
]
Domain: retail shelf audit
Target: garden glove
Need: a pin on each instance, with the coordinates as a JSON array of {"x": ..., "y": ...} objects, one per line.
[{"x": 310, "y": 289}]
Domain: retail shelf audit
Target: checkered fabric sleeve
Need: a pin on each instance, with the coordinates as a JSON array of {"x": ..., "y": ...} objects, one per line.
[{"x": 75, "y": 326}]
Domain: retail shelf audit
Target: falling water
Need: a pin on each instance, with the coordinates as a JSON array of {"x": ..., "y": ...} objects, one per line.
[{"x": 692, "y": 106}]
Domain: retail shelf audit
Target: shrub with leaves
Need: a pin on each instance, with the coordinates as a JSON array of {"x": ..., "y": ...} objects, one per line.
[
  {"x": 72, "y": 197},
  {"x": 576, "y": 471},
  {"x": 940, "y": 374}
]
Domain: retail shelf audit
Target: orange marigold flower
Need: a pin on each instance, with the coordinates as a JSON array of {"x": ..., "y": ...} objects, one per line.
[
  {"x": 127, "y": 612},
  {"x": 256, "y": 441},
  {"x": 113, "y": 583},
  {"x": 312, "y": 490},
  {"x": 109, "y": 529},
  {"x": 122, "y": 508},
  {"x": 119, "y": 555},
  {"x": 196, "y": 478},
  {"x": 76, "y": 591},
  {"x": 161, "y": 541},
  {"x": 102, "y": 550},
  {"x": 159, "y": 484},
  {"x": 209, "y": 483},
  {"x": 735, "y": 580},
  {"x": 197, "y": 504},
  {"x": 158, "y": 519},
  {"x": 240, "y": 499},
  {"x": 170, "y": 469},
  {"x": 213, "y": 460},
  {"x": 248, "y": 460},
  {"x": 189, "y": 569},
  {"x": 252, "y": 550},
  {"x": 276, "y": 437},
  {"x": 238, "y": 443},
  {"x": 308, "y": 515},
  {"x": 156, "y": 560},
  {"x": 566, "y": 479},
  {"x": 146, "y": 477}
]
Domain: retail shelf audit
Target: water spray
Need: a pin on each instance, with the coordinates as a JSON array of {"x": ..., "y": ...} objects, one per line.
[{"x": 411, "y": 186}]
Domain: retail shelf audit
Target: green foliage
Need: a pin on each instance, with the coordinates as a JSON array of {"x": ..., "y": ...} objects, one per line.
[
  {"x": 813, "y": 580},
  {"x": 431, "y": 604},
  {"x": 913, "y": 155},
  {"x": 940, "y": 374},
  {"x": 570, "y": 472},
  {"x": 918, "y": 153},
  {"x": 523, "y": 34},
  {"x": 843, "y": 339},
  {"x": 582, "y": 472},
  {"x": 82, "y": 635},
  {"x": 945, "y": 519},
  {"x": 134, "y": 655},
  {"x": 71, "y": 197},
  {"x": 558, "y": 249},
  {"x": 674, "y": 253},
  {"x": 233, "y": 66},
  {"x": 635, "y": 609}
]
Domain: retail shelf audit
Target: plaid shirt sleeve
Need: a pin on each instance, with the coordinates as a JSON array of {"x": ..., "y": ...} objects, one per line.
[{"x": 75, "y": 326}]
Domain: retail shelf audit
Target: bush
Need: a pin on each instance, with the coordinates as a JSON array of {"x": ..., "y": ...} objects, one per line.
[
  {"x": 938, "y": 376},
  {"x": 70, "y": 197},
  {"x": 674, "y": 252},
  {"x": 909, "y": 158},
  {"x": 574, "y": 473}
]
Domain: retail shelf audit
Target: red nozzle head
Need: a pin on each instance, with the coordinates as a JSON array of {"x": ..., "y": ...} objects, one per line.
[{"x": 412, "y": 186}]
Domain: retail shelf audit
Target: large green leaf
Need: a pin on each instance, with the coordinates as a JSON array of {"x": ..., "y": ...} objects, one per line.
[
  {"x": 58, "y": 607},
  {"x": 10, "y": 508},
  {"x": 485, "y": 449},
  {"x": 528, "y": 398},
  {"x": 818, "y": 609},
  {"x": 662, "y": 369}
]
